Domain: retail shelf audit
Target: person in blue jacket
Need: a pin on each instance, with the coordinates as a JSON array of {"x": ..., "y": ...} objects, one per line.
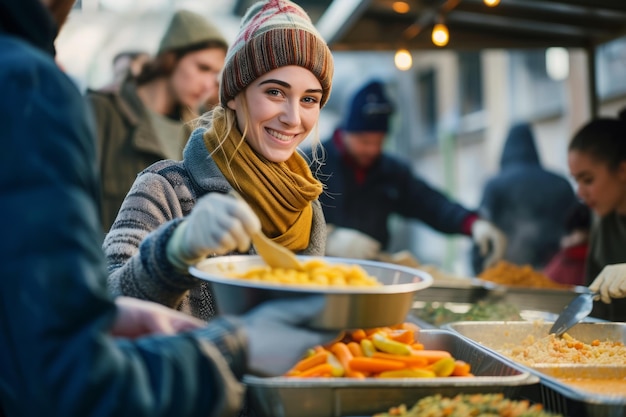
[
  {"x": 527, "y": 202},
  {"x": 364, "y": 186},
  {"x": 66, "y": 347}
]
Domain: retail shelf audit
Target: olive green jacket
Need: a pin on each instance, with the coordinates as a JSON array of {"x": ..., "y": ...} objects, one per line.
[{"x": 127, "y": 143}]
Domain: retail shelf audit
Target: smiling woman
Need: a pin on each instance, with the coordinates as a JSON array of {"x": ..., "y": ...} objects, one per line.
[
  {"x": 278, "y": 111},
  {"x": 276, "y": 78}
]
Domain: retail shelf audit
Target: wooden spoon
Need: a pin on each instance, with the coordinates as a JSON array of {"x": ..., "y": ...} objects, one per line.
[{"x": 273, "y": 254}]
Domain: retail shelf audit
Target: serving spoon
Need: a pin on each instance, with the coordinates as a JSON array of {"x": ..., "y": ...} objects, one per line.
[
  {"x": 574, "y": 312},
  {"x": 275, "y": 255}
]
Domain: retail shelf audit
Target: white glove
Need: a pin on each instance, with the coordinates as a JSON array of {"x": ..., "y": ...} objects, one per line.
[
  {"x": 217, "y": 224},
  {"x": 610, "y": 283},
  {"x": 350, "y": 243},
  {"x": 490, "y": 240},
  {"x": 277, "y": 338}
]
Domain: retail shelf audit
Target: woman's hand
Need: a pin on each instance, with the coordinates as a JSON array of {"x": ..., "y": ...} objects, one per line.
[
  {"x": 217, "y": 224},
  {"x": 610, "y": 283},
  {"x": 136, "y": 318}
]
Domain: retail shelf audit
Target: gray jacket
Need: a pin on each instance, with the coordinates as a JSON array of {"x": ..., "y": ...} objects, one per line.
[{"x": 161, "y": 196}]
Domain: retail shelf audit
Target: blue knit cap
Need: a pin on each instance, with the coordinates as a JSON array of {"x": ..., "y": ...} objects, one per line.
[{"x": 369, "y": 110}]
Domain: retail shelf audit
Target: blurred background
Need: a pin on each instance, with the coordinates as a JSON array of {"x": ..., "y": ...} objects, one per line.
[{"x": 552, "y": 63}]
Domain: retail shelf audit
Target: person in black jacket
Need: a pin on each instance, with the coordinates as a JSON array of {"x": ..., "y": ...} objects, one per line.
[
  {"x": 66, "y": 348},
  {"x": 527, "y": 202},
  {"x": 364, "y": 186}
]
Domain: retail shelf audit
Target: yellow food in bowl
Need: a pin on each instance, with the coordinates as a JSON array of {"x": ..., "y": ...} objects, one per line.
[{"x": 315, "y": 272}]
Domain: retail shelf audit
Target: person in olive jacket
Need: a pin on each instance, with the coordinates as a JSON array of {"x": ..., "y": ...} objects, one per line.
[
  {"x": 66, "y": 348},
  {"x": 142, "y": 120}
]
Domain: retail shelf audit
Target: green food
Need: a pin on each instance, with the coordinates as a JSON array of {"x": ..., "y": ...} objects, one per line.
[
  {"x": 481, "y": 311},
  {"x": 477, "y": 405}
]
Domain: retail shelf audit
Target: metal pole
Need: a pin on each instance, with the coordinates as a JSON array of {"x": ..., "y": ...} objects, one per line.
[{"x": 592, "y": 84}]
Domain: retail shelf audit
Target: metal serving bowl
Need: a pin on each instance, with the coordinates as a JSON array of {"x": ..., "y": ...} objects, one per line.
[{"x": 343, "y": 307}]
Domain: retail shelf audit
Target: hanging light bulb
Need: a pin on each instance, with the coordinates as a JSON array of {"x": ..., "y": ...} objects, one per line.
[
  {"x": 440, "y": 35},
  {"x": 401, "y": 7},
  {"x": 491, "y": 3},
  {"x": 403, "y": 60}
]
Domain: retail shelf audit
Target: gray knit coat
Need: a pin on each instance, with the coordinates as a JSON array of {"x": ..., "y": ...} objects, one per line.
[{"x": 161, "y": 196}]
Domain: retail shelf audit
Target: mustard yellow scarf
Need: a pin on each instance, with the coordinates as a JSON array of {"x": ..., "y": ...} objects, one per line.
[{"x": 279, "y": 193}]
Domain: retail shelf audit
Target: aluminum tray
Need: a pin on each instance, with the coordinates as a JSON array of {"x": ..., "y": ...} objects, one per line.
[
  {"x": 473, "y": 289},
  {"x": 555, "y": 394},
  {"x": 334, "y": 397}
]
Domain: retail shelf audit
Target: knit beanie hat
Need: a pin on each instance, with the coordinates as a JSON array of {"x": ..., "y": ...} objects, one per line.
[
  {"x": 274, "y": 34},
  {"x": 369, "y": 109},
  {"x": 187, "y": 29}
]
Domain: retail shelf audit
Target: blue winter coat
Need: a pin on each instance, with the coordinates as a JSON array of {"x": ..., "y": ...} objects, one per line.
[
  {"x": 390, "y": 187},
  {"x": 56, "y": 355},
  {"x": 528, "y": 203}
]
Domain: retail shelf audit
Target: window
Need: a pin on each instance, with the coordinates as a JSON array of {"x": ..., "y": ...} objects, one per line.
[
  {"x": 611, "y": 68},
  {"x": 427, "y": 106},
  {"x": 470, "y": 83},
  {"x": 533, "y": 93}
]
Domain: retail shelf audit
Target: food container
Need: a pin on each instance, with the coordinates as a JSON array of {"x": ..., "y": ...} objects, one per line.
[
  {"x": 555, "y": 393},
  {"x": 340, "y": 308},
  {"x": 471, "y": 290},
  {"x": 335, "y": 397}
]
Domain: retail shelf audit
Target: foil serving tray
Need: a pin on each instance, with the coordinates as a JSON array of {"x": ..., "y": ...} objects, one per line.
[{"x": 336, "y": 397}]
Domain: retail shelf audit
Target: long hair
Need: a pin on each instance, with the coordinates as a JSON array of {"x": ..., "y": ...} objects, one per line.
[{"x": 163, "y": 65}]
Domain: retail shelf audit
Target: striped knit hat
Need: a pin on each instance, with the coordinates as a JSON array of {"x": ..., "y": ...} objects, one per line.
[{"x": 274, "y": 34}]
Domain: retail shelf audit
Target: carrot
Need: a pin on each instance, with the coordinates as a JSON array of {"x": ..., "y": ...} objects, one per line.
[
  {"x": 401, "y": 336},
  {"x": 370, "y": 332},
  {"x": 314, "y": 360},
  {"x": 322, "y": 370},
  {"x": 342, "y": 353},
  {"x": 407, "y": 373},
  {"x": 410, "y": 326},
  {"x": 409, "y": 361},
  {"x": 417, "y": 346},
  {"x": 461, "y": 368},
  {"x": 355, "y": 374},
  {"x": 431, "y": 356},
  {"x": 374, "y": 365},
  {"x": 355, "y": 349},
  {"x": 358, "y": 335}
]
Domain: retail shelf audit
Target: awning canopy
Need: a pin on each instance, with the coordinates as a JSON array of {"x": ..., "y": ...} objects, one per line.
[{"x": 375, "y": 25}]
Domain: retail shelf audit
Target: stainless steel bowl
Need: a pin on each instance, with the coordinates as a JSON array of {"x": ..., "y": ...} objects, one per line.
[{"x": 343, "y": 307}]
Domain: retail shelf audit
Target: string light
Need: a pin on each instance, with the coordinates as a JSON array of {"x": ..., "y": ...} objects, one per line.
[
  {"x": 491, "y": 3},
  {"x": 401, "y": 7},
  {"x": 440, "y": 35},
  {"x": 403, "y": 60}
]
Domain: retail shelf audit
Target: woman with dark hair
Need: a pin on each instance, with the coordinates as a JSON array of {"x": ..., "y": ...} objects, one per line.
[
  {"x": 142, "y": 121},
  {"x": 597, "y": 161}
]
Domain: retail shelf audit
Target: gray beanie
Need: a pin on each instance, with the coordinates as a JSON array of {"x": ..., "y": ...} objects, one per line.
[{"x": 186, "y": 29}]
